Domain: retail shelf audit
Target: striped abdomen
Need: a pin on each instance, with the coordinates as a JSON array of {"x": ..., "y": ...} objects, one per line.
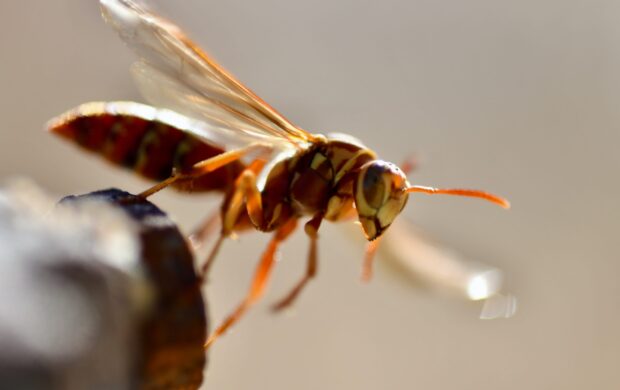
[{"x": 149, "y": 141}]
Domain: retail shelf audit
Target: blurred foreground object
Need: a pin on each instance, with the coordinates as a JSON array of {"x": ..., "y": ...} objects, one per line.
[
  {"x": 98, "y": 292},
  {"x": 442, "y": 269}
]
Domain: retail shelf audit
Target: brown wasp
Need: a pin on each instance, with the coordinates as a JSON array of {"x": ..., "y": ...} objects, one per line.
[{"x": 272, "y": 173}]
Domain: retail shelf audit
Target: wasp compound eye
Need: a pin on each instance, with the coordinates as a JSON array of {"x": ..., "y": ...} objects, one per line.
[{"x": 374, "y": 185}]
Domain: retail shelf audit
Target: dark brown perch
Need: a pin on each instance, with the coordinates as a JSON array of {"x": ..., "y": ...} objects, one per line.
[{"x": 171, "y": 353}]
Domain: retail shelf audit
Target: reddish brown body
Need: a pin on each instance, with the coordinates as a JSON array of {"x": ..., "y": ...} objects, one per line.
[
  {"x": 297, "y": 185},
  {"x": 151, "y": 148}
]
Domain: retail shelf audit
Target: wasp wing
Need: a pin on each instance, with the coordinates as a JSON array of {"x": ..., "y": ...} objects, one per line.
[
  {"x": 168, "y": 54},
  {"x": 416, "y": 257},
  {"x": 406, "y": 247},
  {"x": 164, "y": 91}
]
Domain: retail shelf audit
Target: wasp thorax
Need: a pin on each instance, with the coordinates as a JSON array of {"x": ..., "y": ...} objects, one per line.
[{"x": 379, "y": 196}]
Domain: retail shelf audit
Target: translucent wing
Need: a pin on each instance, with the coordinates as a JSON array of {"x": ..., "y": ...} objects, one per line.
[
  {"x": 406, "y": 247},
  {"x": 163, "y": 91},
  {"x": 175, "y": 73},
  {"x": 439, "y": 268},
  {"x": 499, "y": 306}
]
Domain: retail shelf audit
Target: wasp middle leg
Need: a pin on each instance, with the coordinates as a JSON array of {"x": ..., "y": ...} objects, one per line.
[{"x": 311, "y": 228}]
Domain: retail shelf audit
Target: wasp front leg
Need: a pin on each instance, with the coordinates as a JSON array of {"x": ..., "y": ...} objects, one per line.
[
  {"x": 369, "y": 257},
  {"x": 245, "y": 194}
]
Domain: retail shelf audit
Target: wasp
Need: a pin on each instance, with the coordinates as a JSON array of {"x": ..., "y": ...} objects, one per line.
[{"x": 213, "y": 134}]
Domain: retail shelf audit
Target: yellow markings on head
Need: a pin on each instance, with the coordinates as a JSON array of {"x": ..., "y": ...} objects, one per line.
[
  {"x": 389, "y": 211},
  {"x": 377, "y": 193},
  {"x": 361, "y": 202},
  {"x": 371, "y": 190},
  {"x": 369, "y": 227}
]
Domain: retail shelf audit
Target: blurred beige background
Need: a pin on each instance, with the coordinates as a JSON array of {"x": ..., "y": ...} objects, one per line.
[{"x": 521, "y": 98}]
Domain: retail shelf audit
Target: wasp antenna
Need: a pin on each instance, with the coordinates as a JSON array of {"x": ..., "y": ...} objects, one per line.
[{"x": 498, "y": 200}]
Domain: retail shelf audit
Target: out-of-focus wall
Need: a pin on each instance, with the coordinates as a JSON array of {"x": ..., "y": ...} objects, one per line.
[{"x": 520, "y": 98}]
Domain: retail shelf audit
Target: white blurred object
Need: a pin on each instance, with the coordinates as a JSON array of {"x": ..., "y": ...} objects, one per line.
[{"x": 442, "y": 269}]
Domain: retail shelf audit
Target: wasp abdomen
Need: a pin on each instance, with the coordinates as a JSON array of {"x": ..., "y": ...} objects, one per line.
[{"x": 125, "y": 135}]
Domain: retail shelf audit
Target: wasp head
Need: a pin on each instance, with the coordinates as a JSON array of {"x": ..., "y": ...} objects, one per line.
[{"x": 380, "y": 195}]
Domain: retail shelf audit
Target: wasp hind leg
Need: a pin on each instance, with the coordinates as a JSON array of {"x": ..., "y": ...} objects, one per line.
[
  {"x": 259, "y": 282},
  {"x": 208, "y": 165},
  {"x": 203, "y": 231}
]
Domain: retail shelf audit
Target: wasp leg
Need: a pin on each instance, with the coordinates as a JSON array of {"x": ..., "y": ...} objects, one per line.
[
  {"x": 206, "y": 266},
  {"x": 245, "y": 193},
  {"x": 261, "y": 277},
  {"x": 209, "y": 165},
  {"x": 371, "y": 250},
  {"x": 410, "y": 164},
  {"x": 311, "y": 228},
  {"x": 203, "y": 231}
]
